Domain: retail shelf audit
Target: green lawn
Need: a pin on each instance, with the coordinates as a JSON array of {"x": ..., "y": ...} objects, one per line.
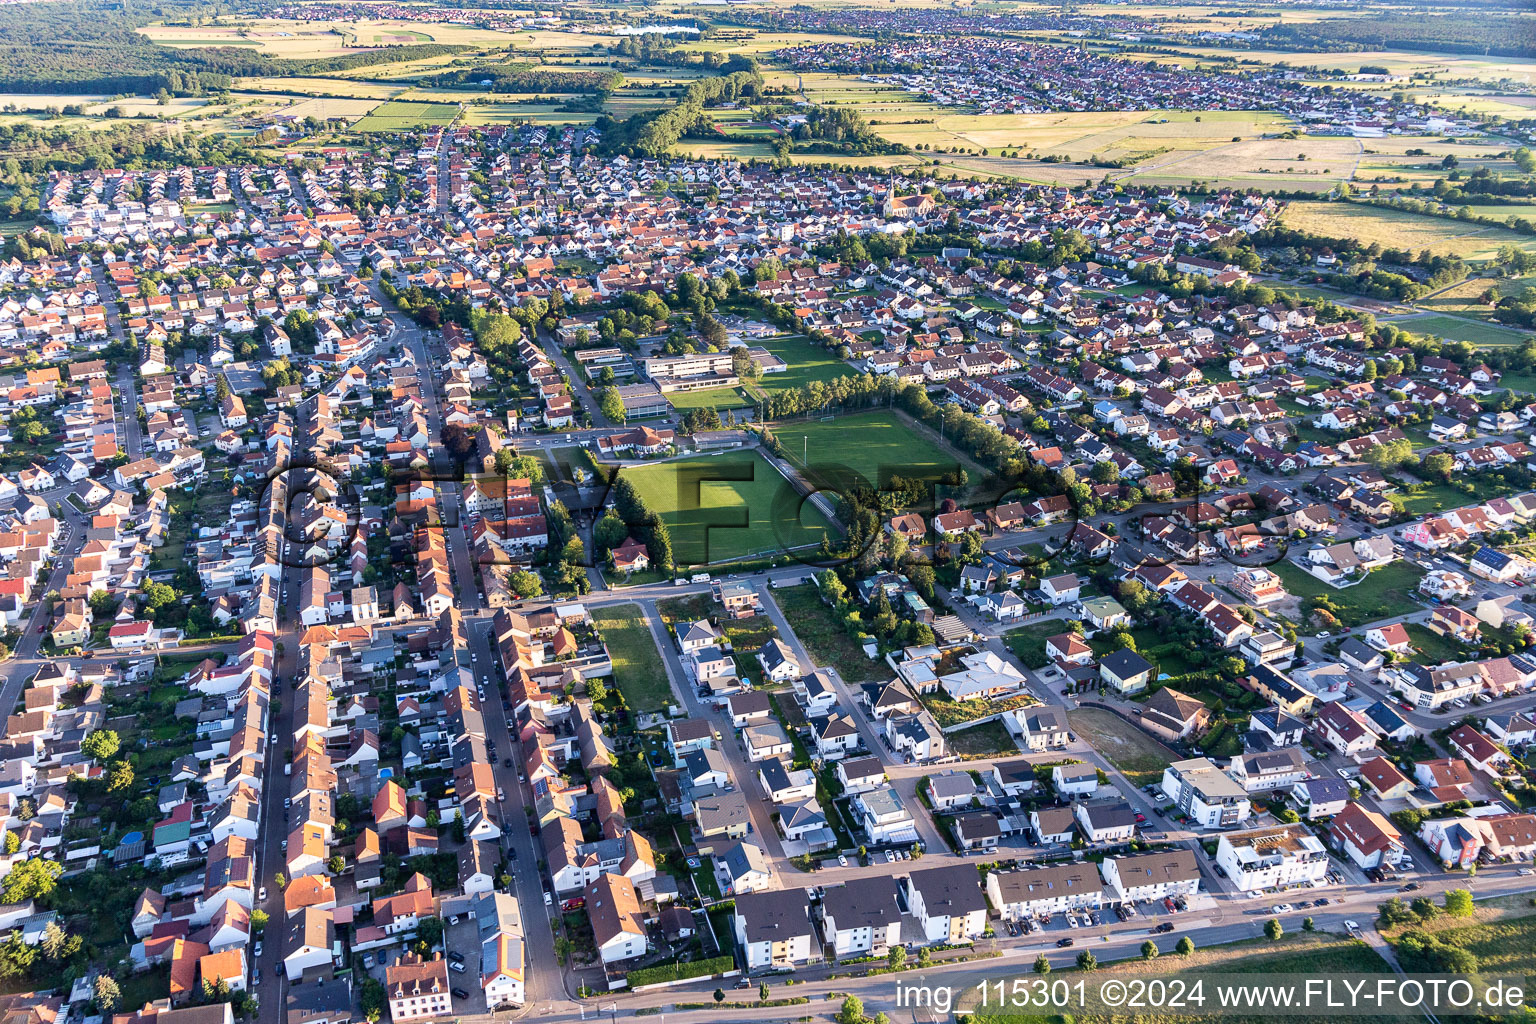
[
  {"x": 818, "y": 628},
  {"x": 1028, "y": 642},
  {"x": 875, "y": 445},
  {"x": 1521, "y": 381},
  {"x": 1315, "y": 954},
  {"x": 1502, "y": 934},
  {"x": 727, "y": 506},
  {"x": 1420, "y": 498},
  {"x": 1434, "y": 648},
  {"x": 985, "y": 740},
  {"x": 1457, "y": 329},
  {"x": 718, "y": 398},
  {"x": 637, "y": 667},
  {"x": 1383, "y": 593},
  {"x": 807, "y": 362}
]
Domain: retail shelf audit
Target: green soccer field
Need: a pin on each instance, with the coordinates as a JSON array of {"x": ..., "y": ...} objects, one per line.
[
  {"x": 731, "y": 505},
  {"x": 806, "y": 362},
  {"x": 875, "y": 445}
]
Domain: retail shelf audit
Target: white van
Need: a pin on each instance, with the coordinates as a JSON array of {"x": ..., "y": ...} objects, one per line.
[{"x": 699, "y": 577}]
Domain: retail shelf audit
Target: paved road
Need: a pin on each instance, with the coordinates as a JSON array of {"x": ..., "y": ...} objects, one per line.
[
  {"x": 544, "y": 977},
  {"x": 1110, "y": 942},
  {"x": 25, "y": 661}
]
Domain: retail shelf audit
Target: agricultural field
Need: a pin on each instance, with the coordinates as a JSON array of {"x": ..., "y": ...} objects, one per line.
[
  {"x": 317, "y": 39},
  {"x": 1456, "y": 329},
  {"x": 326, "y": 107},
  {"x": 403, "y": 115},
  {"x": 317, "y": 86},
  {"x": 1082, "y": 136},
  {"x": 1396, "y": 229},
  {"x": 1465, "y": 298},
  {"x": 516, "y": 113},
  {"x": 1398, "y": 62},
  {"x": 875, "y": 445},
  {"x": 727, "y": 506}
]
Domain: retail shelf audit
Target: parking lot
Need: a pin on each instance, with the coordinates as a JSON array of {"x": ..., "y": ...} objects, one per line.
[{"x": 1159, "y": 914}]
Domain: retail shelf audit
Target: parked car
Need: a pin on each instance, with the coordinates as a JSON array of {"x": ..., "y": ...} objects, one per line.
[{"x": 1063, "y": 943}]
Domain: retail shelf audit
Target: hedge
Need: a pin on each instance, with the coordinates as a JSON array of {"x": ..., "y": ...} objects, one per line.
[{"x": 663, "y": 973}]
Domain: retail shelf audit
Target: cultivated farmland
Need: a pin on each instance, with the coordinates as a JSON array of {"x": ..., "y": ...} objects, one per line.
[
  {"x": 403, "y": 115},
  {"x": 1396, "y": 229}
]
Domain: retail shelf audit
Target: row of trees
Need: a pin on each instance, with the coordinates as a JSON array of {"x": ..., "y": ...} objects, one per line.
[
  {"x": 653, "y": 133},
  {"x": 523, "y": 78},
  {"x": 644, "y": 522}
]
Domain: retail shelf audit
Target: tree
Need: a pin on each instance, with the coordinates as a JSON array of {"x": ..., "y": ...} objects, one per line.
[
  {"x": 1042, "y": 964},
  {"x": 1307, "y": 924},
  {"x": 16, "y": 957},
  {"x": 1393, "y": 453},
  {"x": 1458, "y": 903},
  {"x": 525, "y": 584},
  {"x": 157, "y": 595},
  {"x": 1424, "y": 908},
  {"x": 1185, "y": 946},
  {"x": 852, "y": 1011},
  {"x": 519, "y": 467},
  {"x": 1393, "y": 912},
  {"x": 337, "y": 864},
  {"x": 33, "y": 879},
  {"x": 54, "y": 940},
  {"x": 896, "y": 959},
  {"x": 1149, "y": 950},
  {"x": 12, "y": 842},
  {"x": 100, "y": 745},
  {"x": 120, "y": 777},
  {"x": 719, "y": 995},
  {"x": 1440, "y": 464},
  {"x": 924, "y": 958},
  {"x": 1272, "y": 929},
  {"x": 259, "y": 920},
  {"x": 106, "y": 991},
  {"x": 762, "y": 992},
  {"x": 430, "y": 931},
  {"x": 609, "y": 532},
  {"x": 611, "y": 405},
  {"x": 1086, "y": 961}
]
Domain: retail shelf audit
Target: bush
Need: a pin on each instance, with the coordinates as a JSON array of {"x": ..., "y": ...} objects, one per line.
[
  {"x": 1458, "y": 903},
  {"x": 662, "y": 973}
]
